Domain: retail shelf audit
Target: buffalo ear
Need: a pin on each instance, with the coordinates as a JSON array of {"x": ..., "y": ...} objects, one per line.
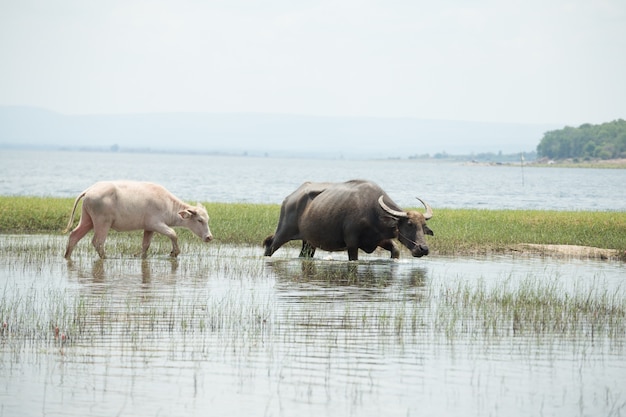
[
  {"x": 185, "y": 214},
  {"x": 389, "y": 221},
  {"x": 427, "y": 231}
]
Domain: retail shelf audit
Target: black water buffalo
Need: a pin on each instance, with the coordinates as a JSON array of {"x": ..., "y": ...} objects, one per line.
[{"x": 348, "y": 216}]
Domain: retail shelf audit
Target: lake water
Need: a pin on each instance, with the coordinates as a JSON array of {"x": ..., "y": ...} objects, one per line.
[
  {"x": 223, "y": 330},
  {"x": 269, "y": 180}
]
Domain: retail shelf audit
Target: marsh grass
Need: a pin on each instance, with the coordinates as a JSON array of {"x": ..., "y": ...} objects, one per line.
[
  {"x": 52, "y": 317},
  {"x": 242, "y": 223},
  {"x": 457, "y": 231},
  {"x": 34, "y": 214},
  {"x": 466, "y": 312},
  {"x": 239, "y": 319},
  {"x": 531, "y": 307}
]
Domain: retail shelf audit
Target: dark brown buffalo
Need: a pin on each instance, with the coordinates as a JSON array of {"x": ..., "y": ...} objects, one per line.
[{"x": 348, "y": 216}]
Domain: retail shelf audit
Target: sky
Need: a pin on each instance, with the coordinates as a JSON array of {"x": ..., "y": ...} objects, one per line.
[{"x": 523, "y": 61}]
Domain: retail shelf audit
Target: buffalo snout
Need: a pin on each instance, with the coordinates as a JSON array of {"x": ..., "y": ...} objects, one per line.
[{"x": 419, "y": 251}]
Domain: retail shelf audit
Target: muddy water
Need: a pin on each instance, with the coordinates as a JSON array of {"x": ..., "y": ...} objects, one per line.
[{"x": 226, "y": 331}]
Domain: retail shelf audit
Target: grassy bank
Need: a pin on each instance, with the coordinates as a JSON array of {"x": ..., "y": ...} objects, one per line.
[{"x": 457, "y": 231}]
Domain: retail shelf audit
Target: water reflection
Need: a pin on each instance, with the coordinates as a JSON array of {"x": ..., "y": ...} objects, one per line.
[
  {"x": 304, "y": 281},
  {"x": 95, "y": 273},
  {"x": 98, "y": 273},
  {"x": 368, "y": 274}
]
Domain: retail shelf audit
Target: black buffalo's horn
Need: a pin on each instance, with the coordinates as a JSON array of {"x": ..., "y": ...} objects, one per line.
[
  {"x": 394, "y": 213},
  {"x": 429, "y": 210}
]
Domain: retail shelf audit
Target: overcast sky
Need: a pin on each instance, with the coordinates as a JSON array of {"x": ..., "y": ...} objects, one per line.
[{"x": 496, "y": 61}]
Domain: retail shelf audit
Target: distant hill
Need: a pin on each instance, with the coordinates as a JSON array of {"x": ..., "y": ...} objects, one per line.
[{"x": 273, "y": 134}]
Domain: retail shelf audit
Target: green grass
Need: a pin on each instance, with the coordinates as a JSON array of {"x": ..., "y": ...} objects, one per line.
[
  {"x": 34, "y": 214},
  {"x": 242, "y": 223},
  {"x": 457, "y": 231},
  {"x": 480, "y": 230}
]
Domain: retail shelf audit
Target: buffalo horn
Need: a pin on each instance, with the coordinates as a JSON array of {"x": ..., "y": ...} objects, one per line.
[
  {"x": 394, "y": 213},
  {"x": 429, "y": 210}
]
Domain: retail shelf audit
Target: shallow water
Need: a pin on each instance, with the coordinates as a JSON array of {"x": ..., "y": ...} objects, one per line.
[{"x": 223, "y": 330}]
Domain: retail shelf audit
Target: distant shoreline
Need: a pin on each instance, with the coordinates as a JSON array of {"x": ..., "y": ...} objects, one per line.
[
  {"x": 566, "y": 163},
  {"x": 573, "y": 163},
  {"x": 470, "y": 160}
]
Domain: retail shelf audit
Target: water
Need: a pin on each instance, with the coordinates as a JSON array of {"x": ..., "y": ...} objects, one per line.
[
  {"x": 268, "y": 180},
  {"x": 223, "y": 330},
  {"x": 227, "y": 331}
]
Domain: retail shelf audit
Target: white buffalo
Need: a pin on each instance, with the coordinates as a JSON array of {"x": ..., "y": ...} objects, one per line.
[{"x": 132, "y": 205}]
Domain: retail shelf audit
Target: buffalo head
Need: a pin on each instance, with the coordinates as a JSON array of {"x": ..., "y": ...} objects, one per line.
[{"x": 411, "y": 227}]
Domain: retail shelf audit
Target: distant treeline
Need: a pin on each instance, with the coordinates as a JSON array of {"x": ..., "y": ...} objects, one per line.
[{"x": 605, "y": 141}]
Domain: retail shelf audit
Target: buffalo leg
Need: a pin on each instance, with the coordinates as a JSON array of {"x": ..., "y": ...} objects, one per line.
[
  {"x": 175, "y": 249},
  {"x": 78, "y": 233},
  {"x": 307, "y": 250},
  {"x": 145, "y": 244},
  {"x": 391, "y": 247},
  {"x": 169, "y": 232},
  {"x": 100, "y": 232},
  {"x": 353, "y": 253}
]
